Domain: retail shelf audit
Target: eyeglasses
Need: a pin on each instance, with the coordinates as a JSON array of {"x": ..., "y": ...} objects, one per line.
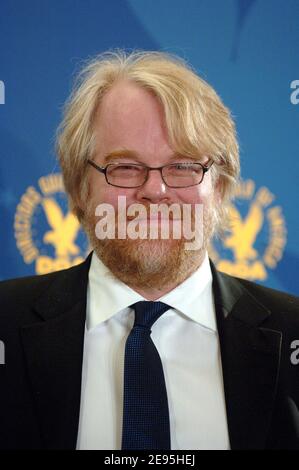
[{"x": 134, "y": 175}]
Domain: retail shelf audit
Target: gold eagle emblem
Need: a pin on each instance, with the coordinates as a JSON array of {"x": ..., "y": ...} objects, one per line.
[
  {"x": 64, "y": 229},
  {"x": 243, "y": 232}
]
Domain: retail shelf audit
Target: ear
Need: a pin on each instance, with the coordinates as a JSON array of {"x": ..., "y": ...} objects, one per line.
[{"x": 218, "y": 190}]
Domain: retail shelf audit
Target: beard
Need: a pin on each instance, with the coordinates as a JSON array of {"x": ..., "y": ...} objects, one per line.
[{"x": 150, "y": 263}]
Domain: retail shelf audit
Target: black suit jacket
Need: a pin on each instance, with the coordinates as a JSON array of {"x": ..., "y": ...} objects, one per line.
[{"x": 42, "y": 323}]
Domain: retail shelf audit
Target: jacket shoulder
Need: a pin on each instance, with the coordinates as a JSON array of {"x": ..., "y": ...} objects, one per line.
[
  {"x": 271, "y": 298},
  {"x": 256, "y": 304},
  {"x": 32, "y": 287},
  {"x": 18, "y": 297}
]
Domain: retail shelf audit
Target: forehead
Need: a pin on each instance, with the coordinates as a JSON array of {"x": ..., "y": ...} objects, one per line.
[{"x": 130, "y": 116}]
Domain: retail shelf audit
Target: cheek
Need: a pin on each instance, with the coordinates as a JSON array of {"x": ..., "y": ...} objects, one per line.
[
  {"x": 200, "y": 194},
  {"x": 104, "y": 193}
]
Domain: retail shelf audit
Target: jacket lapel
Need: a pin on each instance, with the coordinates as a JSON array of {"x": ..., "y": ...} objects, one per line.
[
  {"x": 250, "y": 354},
  {"x": 53, "y": 348}
]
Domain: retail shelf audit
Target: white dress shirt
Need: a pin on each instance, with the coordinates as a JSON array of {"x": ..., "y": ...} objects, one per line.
[{"x": 187, "y": 340}]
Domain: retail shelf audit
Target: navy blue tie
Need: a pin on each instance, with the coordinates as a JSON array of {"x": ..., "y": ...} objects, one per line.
[{"x": 145, "y": 413}]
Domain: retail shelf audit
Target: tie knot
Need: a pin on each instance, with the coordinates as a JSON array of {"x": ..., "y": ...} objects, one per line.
[{"x": 147, "y": 312}]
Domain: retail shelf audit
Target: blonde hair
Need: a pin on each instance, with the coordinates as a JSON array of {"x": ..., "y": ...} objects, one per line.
[{"x": 197, "y": 121}]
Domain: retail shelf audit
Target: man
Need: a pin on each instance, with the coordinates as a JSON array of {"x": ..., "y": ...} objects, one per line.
[{"x": 83, "y": 369}]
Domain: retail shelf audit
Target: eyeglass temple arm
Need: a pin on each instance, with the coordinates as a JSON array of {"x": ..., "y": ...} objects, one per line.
[
  {"x": 208, "y": 166},
  {"x": 97, "y": 167}
]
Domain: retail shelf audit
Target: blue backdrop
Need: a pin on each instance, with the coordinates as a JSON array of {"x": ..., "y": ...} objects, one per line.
[{"x": 247, "y": 49}]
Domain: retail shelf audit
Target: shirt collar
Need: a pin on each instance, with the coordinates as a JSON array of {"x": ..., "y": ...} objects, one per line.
[
  {"x": 108, "y": 295},
  {"x": 194, "y": 297}
]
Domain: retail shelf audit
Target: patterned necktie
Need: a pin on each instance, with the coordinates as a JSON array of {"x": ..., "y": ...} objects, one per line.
[{"x": 145, "y": 413}]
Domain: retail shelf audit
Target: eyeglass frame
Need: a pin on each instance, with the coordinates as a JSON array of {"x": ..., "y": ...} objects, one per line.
[{"x": 103, "y": 170}]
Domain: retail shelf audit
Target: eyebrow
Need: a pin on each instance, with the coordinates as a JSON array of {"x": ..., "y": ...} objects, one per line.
[
  {"x": 125, "y": 154},
  {"x": 120, "y": 154}
]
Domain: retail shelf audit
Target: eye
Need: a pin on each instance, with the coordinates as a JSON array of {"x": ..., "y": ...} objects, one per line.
[
  {"x": 125, "y": 169},
  {"x": 183, "y": 168}
]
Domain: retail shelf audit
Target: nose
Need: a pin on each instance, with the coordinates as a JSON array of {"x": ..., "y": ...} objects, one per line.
[{"x": 154, "y": 189}]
